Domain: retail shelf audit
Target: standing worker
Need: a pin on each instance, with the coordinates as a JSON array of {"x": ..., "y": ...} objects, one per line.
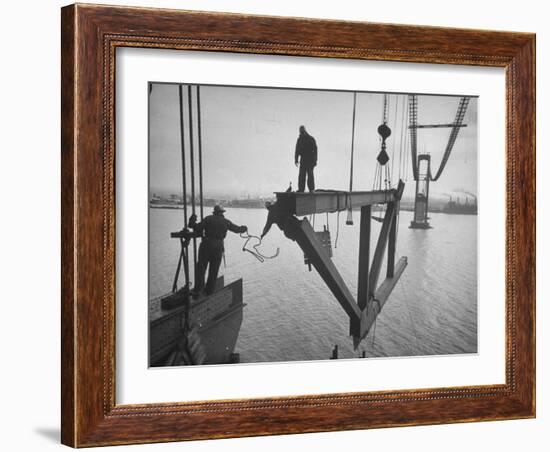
[
  {"x": 306, "y": 152},
  {"x": 213, "y": 230}
]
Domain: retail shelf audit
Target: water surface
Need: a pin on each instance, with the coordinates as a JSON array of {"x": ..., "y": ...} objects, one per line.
[{"x": 291, "y": 314}]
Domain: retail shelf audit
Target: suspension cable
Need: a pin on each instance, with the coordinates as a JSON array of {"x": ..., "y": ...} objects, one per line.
[
  {"x": 413, "y": 126},
  {"x": 192, "y": 161},
  {"x": 184, "y": 255},
  {"x": 461, "y": 111},
  {"x": 199, "y": 132},
  {"x": 402, "y": 137},
  {"x": 413, "y": 122},
  {"x": 182, "y": 138}
]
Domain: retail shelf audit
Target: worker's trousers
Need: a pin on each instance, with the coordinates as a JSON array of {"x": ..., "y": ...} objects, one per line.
[
  {"x": 306, "y": 171},
  {"x": 210, "y": 255}
]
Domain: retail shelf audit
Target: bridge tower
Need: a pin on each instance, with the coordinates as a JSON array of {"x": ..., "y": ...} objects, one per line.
[
  {"x": 421, "y": 163},
  {"x": 420, "y": 219}
]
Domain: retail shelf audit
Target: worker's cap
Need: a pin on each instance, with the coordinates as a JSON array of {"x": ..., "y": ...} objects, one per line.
[{"x": 218, "y": 209}]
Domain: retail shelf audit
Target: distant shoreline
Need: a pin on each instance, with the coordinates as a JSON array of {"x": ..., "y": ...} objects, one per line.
[
  {"x": 403, "y": 208},
  {"x": 180, "y": 206}
]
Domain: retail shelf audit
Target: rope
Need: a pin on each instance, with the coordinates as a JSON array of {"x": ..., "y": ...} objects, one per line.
[
  {"x": 346, "y": 206},
  {"x": 350, "y": 220},
  {"x": 337, "y": 230},
  {"x": 377, "y": 183},
  {"x": 337, "y": 220},
  {"x": 408, "y": 156},
  {"x": 256, "y": 253},
  {"x": 394, "y": 126},
  {"x": 375, "y": 322},
  {"x": 397, "y": 224},
  {"x": 373, "y": 344},
  {"x": 352, "y": 142}
]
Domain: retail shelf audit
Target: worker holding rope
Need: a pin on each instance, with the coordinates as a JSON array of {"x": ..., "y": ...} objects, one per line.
[{"x": 213, "y": 230}]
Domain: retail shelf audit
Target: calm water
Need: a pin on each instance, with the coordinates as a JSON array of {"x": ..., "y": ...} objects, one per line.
[{"x": 291, "y": 314}]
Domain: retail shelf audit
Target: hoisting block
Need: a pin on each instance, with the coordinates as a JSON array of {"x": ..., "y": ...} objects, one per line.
[{"x": 376, "y": 303}]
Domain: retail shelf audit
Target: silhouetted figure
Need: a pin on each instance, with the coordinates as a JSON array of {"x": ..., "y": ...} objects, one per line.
[
  {"x": 272, "y": 216},
  {"x": 277, "y": 214},
  {"x": 305, "y": 157},
  {"x": 213, "y": 230}
]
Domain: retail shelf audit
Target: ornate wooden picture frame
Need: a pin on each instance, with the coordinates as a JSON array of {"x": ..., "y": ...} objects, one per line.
[{"x": 90, "y": 37}]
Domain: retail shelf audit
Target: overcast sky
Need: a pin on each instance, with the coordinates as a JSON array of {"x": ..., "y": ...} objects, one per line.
[{"x": 249, "y": 136}]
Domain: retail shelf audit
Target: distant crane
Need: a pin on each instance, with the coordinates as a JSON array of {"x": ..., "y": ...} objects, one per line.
[{"x": 421, "y": 163}]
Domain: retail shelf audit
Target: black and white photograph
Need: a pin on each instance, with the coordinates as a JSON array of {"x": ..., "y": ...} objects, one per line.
[
  {"x": 291, "y": 224},
  {"x": 265, "y": 226}
]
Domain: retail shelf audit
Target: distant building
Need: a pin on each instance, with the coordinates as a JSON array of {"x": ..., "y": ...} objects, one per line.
[{"x": 456, "y": 207}]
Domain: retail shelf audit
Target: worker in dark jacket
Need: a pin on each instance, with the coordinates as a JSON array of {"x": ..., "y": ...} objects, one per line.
[
  {"x": 213, "y": 230},
  {"x": 305, "y": 157},
  {"x": 277, "y": 214}
]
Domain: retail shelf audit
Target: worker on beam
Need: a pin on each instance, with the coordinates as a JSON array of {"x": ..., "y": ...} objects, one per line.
[
  {"x": 305, "y": 157},
  {"x": 276, "y": 214},
  {"x": 213, "y": 230}
]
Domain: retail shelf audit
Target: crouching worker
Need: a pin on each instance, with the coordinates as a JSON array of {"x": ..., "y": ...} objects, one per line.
[
  {"x": 213, "y": 230},
  {"x": 278, "y": 215}
]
